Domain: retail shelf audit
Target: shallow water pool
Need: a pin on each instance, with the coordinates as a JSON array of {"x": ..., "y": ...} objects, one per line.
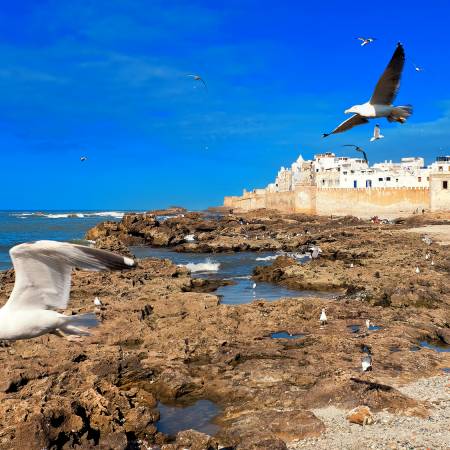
[
  {"x": 237, "y": 267},
  {"x": 198, "y": 416}
]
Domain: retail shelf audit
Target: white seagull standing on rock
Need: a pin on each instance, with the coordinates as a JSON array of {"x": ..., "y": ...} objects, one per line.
[
  {"x": 97, "y": 302},
  {"x": 367, "y": 323},
  {"x": 376, "y": 134},
  {"x": 323, "y": 317},
  {"x": 314, "y": 251},
  {"x": 43, "y": 274},
  {"x": 380, "y": 104},
  {"x": 366, "y": 363}
]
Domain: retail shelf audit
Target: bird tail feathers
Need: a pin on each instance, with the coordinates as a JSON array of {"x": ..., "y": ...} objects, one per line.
[
  {"x": 402, "y": 111},
  {"x": 78, "y": 324}
]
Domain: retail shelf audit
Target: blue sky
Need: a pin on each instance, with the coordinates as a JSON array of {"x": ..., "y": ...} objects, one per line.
[{"x": 107, "y": 79}]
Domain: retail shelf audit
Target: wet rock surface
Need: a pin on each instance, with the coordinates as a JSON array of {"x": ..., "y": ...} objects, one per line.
[{"x": 164, "y": 337}]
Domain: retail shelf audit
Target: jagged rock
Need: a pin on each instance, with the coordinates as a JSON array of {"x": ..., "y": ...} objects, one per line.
[
  {"x": 361, "y": 415},
  {"x": 268, "y": 425},
  {"x": 192, "y": 440},
  {"x": 159, "y": 338},
  {"x": 113, "y": 244}
]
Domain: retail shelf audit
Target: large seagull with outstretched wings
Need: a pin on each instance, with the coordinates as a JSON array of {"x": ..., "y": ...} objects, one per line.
[{"x": 380, "y": 104}]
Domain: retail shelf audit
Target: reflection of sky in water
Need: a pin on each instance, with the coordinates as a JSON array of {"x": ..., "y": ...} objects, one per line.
[
  {"x": 285, "y": 335},
  {"x": 436, "y": 346},
  {"x": 197, "y": 417},
  {"x": 235, "y": 266}
]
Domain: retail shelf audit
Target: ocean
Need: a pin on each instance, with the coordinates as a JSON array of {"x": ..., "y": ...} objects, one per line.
[{"x": 24, "y": 226}]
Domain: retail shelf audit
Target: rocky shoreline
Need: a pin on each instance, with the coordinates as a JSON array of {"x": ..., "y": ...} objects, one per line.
[{"x": 165, "y": 337}]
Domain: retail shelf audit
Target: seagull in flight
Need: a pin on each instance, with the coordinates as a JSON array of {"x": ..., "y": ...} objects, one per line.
[
  {"x": 380, "y": 104},
  {"x": 43, "y": 274},
  {"x": 83, "y": 158},
  {"x": 358, "y": 149},
  {"x": 376, "y": 134},
  {"x": 417, "y": 68},
  {"x": 198, "y": 78},
  {"x": 365, "y": 41}
]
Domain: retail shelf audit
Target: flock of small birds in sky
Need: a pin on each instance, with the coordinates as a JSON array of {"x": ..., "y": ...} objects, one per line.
[{"x": 379, "y": 105}]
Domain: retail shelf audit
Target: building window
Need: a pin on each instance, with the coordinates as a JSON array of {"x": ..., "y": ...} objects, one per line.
[
  {"x": 388, "y": 178},
  {"x": 352, "y": 171},
  {"x": 345, "y": 173},
  {"x": 396, "y": 180},
  {"x": 441, "y": 169},
  {"x": 428, "y": 178},
  {"x": 380, "y": 179},
  {"x": 419, "y": 179},
  {"x": 445, "y": 185}
]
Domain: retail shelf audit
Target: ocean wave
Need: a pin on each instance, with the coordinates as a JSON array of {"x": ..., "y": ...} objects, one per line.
[
  {"x": 295, "y": 255},
  {"x": 267, "y": 258},
  {"x": 207, "y": 266},
  {"x": 78, "y": 215},
  {"x": 170, "y": 216}
]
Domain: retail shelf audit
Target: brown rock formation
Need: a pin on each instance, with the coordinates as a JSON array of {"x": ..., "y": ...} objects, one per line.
[{"x": 162, "y": 337}]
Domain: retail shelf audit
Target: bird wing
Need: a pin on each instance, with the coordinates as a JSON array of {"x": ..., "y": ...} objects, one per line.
[
  {"x": 389, "y": 83},
  {"x": 43, "y": 271},
  {"x": 204, "y": 84},
  {"x": 376, "y": 132},
  {"x": 354, "y": 120}
]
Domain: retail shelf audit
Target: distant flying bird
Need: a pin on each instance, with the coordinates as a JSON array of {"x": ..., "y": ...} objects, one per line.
[
  {"x": 254, "y": 286},
  {"x": 323, "y": 317},
  {"x": 198, "y": 78},
  {"x": 376, "y": 134},
  {"x": 358, "y": 149},
  {"x": 417, "y": 68},
  {"x": 366, "y": 363},
  {"x": 380, "y": 104},
  {"x": 365, "y": 41},
  {"x": 42, "y": 285},
  {"x": 83, "y": 158}
]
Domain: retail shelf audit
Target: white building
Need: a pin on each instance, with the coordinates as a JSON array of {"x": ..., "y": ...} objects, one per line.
[{"x": 327, "y": 170}]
